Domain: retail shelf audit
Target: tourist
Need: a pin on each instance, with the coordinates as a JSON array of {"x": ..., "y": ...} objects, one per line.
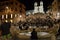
[{"x": 34, "y": 35}]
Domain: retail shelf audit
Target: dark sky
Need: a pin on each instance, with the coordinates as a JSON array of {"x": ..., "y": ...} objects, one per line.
[{"x": 30, "y": 3}]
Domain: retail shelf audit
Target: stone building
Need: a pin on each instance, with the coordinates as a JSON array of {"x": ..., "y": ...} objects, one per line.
[
  {"x": 56, "y": 9},
  {"x": 39, "y": 8},
  {"x": 10, "y": 9}
]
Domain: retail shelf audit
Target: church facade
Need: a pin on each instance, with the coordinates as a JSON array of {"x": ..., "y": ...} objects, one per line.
[{"x": 37, "y": 8}]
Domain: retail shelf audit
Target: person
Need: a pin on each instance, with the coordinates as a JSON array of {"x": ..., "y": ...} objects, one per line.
[{"x": 34, "y": 35}]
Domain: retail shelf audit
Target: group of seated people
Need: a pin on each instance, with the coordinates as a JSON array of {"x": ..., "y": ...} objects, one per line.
[{"x": 38, "y": 22}]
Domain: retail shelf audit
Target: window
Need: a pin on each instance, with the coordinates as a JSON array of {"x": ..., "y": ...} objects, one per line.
[
  {"x": 11, "y": 2},
  {"x": 20, "y": 6},
  {"x": 7, "y": 3},
  {"x": 16, "y": 3},
  {"x": 11, "y": 9},
  {"x": 15, "y": 9}
]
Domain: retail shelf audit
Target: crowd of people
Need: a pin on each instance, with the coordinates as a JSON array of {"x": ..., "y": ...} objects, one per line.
[
  {"x": 5, "y": 27},
  {"x": 37, "y": 22}
]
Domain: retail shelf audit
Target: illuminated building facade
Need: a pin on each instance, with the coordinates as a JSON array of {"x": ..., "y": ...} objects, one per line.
[
  {"x": 11, "y": 9},
  {"x": 56, "y": 9},
  {"x": 39, "y": 9}
]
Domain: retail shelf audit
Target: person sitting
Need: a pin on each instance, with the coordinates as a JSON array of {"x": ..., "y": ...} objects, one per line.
[{"x": 34, "y": 35}]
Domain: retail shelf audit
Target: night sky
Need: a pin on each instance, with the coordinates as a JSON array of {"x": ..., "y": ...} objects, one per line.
[{"x": 30, "y": 3}]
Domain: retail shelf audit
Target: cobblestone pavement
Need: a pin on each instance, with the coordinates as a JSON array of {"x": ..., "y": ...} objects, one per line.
[{"x": 15, "y": 38}]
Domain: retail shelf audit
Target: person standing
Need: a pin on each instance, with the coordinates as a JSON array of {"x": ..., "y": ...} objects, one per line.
[{"x": 34, "y": 35}]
